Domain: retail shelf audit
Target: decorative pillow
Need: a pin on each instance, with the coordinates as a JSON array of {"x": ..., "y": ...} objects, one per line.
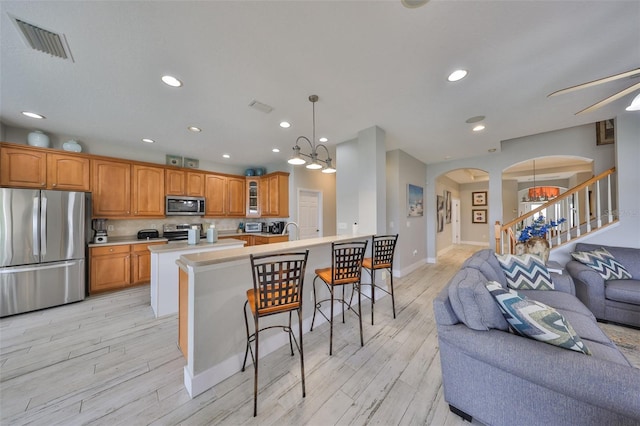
[
  {"x": 603, "y": 262},
  {"x": 536, "y": 320},
  {"x": 525, "y": 272}
]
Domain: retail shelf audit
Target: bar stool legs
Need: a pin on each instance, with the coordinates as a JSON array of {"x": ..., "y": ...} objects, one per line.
[{"x": 383, "y": 248}]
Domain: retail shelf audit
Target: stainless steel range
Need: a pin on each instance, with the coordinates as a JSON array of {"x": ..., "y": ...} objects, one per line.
[{"x": 177, "y": 232}]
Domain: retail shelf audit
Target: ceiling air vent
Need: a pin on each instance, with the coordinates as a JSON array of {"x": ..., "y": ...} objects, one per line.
[
  {"x": 43, "y": 40},
  {"x": 260, "y": 106}
]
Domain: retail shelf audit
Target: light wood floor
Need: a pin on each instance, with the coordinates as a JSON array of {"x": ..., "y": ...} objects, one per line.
[{"x": 107, "y": 360}]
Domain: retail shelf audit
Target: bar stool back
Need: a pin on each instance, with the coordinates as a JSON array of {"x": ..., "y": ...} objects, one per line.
[
  {"x": 382, "y": 250},
  {"x": 346, "y": 269},
  {"x": 277, "y": 288}
]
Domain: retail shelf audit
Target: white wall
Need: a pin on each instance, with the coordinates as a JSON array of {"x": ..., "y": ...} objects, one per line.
[
  {"x": 315, "y": 180},
  {"x": 403, "y": 169}
]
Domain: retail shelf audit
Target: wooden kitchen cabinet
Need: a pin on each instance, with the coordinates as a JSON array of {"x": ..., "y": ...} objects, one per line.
[
  {"x": 124, "y": 190},
  {"x": 141, "y": 262},
  {"x": 111, "y": 188},
  {"x": 180, "y": 182},
  {"x": 115, "y": 267},
  {"x": 259, "y": 239},
  {"x": 250, "y": 239},
  {"x": 37, "y": 168},
  {"x": 110, "y": 268},
  {"x": 225, "y": 195},
  {"x": 148, "y": 191},
  {"x": 275, "y": 195}
]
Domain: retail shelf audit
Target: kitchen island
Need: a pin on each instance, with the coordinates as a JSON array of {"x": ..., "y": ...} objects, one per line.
[
  {"x": 212, "y": 293},
  {"x": 164, "y": 274}
]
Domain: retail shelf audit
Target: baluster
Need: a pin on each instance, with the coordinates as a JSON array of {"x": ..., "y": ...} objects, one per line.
[
  {"x": 587, "y": 208},
  {"x": 576, "y": 207},
  {"x": 609, "y": 207},
  {"x": 567, "y": 214},
  {"x": 598, "y": 212}
]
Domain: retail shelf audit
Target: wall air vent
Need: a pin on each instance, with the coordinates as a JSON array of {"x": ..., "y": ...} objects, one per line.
[
  {"x": 43, "y": 40},
  {"x": 260, "y": 106}
]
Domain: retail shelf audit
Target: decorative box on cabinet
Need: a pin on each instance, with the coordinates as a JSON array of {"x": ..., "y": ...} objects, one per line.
[{"x": 39, "y": 168}]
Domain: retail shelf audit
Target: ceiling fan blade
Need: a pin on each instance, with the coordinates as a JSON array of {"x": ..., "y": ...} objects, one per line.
[
  {"x": 610, "y": 99},
  {"x": 596, "y": 82}
]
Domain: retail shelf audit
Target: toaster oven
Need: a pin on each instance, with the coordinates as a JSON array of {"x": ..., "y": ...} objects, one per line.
[{"x": 253, "y": 227}]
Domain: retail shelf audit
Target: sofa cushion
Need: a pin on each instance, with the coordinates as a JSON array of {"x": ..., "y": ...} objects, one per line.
[
  {"x": 485, "y": 261},
  {"x": 472, "y": 303},
  {"x": 525, "y": 272},
  {"x": 627, "y": 256},
  {"x": 536, "y": 320},
  {"x": 559, "y": 300},
  {"x": 586, "y": 328},
  {"x": 627, "y": 291},
  {"x": 603, "y": 262}
]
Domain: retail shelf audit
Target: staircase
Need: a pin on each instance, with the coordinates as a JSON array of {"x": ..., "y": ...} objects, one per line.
[{"x": 587, "y": 208}]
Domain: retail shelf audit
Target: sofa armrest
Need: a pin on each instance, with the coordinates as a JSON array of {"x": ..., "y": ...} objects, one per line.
[
  {"x": 594, "y": 381},
  {"x": 563, "y": 283},
  {"x": 589, "y": 286}
]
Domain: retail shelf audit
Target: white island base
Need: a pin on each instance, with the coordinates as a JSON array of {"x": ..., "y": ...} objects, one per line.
[
  {"x": 164, "y": 274},
  {"x": 213, "y": 288}
]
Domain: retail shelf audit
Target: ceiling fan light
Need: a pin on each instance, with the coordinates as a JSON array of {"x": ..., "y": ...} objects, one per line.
[{"x": 635, "y": 104}]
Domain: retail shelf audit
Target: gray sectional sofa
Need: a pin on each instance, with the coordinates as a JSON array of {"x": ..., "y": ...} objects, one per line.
[
  {"x": 612, "y": 300},
  {"x": 500, "y": 378}
]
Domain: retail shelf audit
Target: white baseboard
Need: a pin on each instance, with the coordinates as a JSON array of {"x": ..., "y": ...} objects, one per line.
[
  {"x": 409, "y": 269},
  {"x": 476, "y": 243}
]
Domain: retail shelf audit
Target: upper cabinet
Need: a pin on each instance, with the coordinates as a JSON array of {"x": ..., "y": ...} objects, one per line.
[
  {"x": 181, "y": 182},
  {"x": 225, "y": 195},
  {"x": 36, "y": 168},
  {"x": 123, "y": 190},
  {"x": 274, "y": 195}
]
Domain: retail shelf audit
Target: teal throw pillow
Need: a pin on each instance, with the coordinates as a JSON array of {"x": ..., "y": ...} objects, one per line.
[
  {"x": 525, "y": 272},
  {"x": 533, "y": 319},
  {"x": 603, "y": 262}
]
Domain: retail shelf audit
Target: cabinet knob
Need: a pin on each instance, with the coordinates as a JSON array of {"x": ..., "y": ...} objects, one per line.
[
  {"x": 55, "y": 184},
  {"x": 42, "y": 184},
  {"x": 111, "y": 250}
]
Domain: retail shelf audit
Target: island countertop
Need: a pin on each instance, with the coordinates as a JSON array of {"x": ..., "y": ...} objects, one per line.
[
  {"x": 211, "y": 258},
  {"x": 183, "y": 246}
]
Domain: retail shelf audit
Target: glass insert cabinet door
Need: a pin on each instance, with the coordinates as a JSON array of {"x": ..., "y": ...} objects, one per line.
[{"x": 252, "y": 198}]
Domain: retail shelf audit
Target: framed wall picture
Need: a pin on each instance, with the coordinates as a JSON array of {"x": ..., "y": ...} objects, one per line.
[
  {"x": 415, "y": 206},
  {"x": 447, "y": 206},
  {"x": 479, "y": 198},
  {"x": 440, "y": 212},
  {"x": 479, "y": 216},
  {"x": 605, "y": 132}
]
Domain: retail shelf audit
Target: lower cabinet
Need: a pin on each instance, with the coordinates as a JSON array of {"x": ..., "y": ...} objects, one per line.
[
  {"x": 254, "y": 240},
  {"x": 118, "y": 266}
]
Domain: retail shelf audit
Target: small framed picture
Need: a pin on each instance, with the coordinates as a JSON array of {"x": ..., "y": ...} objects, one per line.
[
  {"x": 605, "y": 132},
  {"x": 479, "y": 198},
  {"x": 190, "y": 163},
  {"x": 479, "y": 216},
  {"x": 415, "y": 206},
  {"x": 174, "y": 160}
]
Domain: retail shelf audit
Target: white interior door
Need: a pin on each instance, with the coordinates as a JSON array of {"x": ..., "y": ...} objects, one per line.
[
  {"x": 309, "y": 208},
  {"x": 455, "y": 221}
]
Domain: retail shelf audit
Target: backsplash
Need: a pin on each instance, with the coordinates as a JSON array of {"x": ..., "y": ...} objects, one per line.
[{"x": 125, "y": 228}]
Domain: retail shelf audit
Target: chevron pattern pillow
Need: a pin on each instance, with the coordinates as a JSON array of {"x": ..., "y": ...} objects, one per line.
[
  {"x": 533, "y": 319},
  {"x": 525, "y": 272},
  {"x": 603, "y": 262}
]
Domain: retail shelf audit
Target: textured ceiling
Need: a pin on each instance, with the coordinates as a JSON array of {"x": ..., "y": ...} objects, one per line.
[{"x": 370, "y": 62}]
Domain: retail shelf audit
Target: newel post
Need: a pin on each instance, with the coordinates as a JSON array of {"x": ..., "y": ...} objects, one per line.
[{"x": 497, "y": 231}]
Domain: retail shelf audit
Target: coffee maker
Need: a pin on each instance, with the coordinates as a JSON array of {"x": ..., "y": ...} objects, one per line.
[
  {"x": 100, "y": 228},
  {"x": 277, "y": 227}
]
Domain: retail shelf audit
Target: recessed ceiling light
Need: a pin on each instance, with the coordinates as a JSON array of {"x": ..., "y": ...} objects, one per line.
[
  {"x": 285, "y": 124},
  {"x": 170, "y": 80},
  {"x": 457, "y": 75},
  {"x": 226, "y": 156},
  {"x": 33, "y": 115},
  {"x": 147, "y": 140},
  {"x": 447, "y": 157},
  {"x": 475, "y": 119},
  {"x": 478, "y": 128},
  {"x": 194, "y": 129},
  {"x": 275, "y": 150},
  {"x": 323, "y": 139},
  {"x": 492, "y": 150}
]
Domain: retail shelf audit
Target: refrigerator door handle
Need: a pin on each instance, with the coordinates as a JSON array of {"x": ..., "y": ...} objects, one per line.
[
  {"x": 34, "y": 224},
  {"x": 43, "y": 225}
]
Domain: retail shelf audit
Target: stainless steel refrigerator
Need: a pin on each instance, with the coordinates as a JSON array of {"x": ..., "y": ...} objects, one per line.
[{"x": 42, "y": 249}]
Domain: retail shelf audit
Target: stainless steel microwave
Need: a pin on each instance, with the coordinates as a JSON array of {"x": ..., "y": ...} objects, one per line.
[{"x": 178, "y": 205}]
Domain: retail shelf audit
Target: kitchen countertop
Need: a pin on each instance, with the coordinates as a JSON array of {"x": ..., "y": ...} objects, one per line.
[
  {"x": 130, "y": 239},
  {"x": 202, "y": 245},
  {"x": 257, "y": 234}
]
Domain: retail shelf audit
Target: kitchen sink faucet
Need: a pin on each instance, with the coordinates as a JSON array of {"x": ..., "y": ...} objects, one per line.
[{"x": 296, "y": 236}]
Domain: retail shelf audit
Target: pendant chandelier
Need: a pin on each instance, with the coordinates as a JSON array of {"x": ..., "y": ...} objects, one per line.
[{"x": 314, "y": 162}]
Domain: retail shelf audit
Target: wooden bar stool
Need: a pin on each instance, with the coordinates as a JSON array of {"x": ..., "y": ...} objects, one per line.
[
  {"x": 277, "y": 288},
  {"x": 346, "y": 269},
  {"x": 382, "y": 250}
]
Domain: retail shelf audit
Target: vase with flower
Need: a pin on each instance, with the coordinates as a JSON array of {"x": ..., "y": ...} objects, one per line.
[{"x": 533, "y": 237}]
